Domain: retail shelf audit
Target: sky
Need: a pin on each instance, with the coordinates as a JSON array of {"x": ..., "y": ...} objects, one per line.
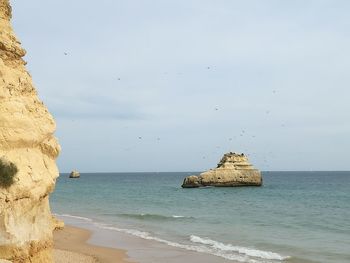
[{"x": 171, "y": 85}]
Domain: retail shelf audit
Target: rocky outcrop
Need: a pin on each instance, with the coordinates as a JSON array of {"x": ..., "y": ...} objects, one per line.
[
  {"x": 232, "y": 170},
  {"x": 74, "y": 174},
  {"x": 27, "y": 142},
  {"x": 57, "y": 224}
]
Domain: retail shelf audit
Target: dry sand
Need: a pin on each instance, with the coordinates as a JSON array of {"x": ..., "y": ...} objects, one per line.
[
  {"x": 71, "y": 247},
  {"x": 71, "y": 257}
]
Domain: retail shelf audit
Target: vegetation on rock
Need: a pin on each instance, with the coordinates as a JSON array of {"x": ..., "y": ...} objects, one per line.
[{"x": 8, "y": 171}]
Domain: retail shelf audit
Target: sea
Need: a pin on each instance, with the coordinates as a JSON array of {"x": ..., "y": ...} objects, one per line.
[{"x": 301, "y": 217}]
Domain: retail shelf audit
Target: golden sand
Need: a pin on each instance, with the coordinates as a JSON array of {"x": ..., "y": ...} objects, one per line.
[{"x": 71, "y": 247}]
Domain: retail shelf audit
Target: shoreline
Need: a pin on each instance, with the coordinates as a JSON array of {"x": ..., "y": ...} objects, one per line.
[
  {"x": 133, "y": 245},
  {"x": 71, "y": 246}
]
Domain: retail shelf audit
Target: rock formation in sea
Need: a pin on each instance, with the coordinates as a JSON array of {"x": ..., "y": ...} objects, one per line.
[
  {"x": 74, "y": 174},
  {"x": 28, "y": 150},
  {"x": 232, "y": 170}
]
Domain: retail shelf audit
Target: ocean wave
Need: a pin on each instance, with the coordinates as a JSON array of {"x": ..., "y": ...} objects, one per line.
[
  {"x": 154, "y": 216},
  {"x": 75, "y": 217},
  {"x": 241, "y": 250},
  {"x": 250, "y": 255},
  {"x": 175, "y": 216},
  {"x": 200, "y": 249},
  {"x": 205, "y": 245}
]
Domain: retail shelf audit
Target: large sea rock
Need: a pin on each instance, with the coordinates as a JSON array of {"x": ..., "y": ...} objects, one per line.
[
  {"x": 233, "y": 170},
  {"x": 28, "y": 144}
]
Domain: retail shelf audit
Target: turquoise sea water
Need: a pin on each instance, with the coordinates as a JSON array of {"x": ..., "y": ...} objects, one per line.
[{"x": 294, "y": 217}]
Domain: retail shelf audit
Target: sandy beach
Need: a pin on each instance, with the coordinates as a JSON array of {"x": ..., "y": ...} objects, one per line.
[
  {"x": 174, "y": 131},
  {"x": 71, "y": 247}
]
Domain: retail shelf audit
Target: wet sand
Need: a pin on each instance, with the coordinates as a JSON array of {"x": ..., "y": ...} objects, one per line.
[{"x": 71, "y": 247}]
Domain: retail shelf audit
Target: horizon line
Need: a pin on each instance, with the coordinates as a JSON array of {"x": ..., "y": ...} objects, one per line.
[{"x": 263, "y": 171}]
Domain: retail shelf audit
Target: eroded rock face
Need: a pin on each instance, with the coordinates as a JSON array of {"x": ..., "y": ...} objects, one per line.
[
  {"x": 232, "y": 170},
  {"x": 27, "y": 141},
  {"x": 57, "y": 224}
]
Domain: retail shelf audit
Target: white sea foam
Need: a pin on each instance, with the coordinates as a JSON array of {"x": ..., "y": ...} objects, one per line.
[
  {"x": 260, "y": 256},
  {"x": 241, "y": 250},
  {"x": 207, "y": 246},
  {"x": 75, "y": 217},
  {"x": 196, "y": 248},
  {"x": 158, "y": 217}
]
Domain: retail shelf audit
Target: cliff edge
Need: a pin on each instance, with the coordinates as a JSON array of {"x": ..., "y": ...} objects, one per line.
[
  {"x": 28, "y": 150},
  {"x": 232, "y": 170}
]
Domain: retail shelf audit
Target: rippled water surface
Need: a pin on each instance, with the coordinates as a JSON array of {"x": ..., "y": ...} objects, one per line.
[{"x": 294, "y": 217}]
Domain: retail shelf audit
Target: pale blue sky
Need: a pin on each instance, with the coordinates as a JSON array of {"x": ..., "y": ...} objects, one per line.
[{"x": 193, "y": 79}]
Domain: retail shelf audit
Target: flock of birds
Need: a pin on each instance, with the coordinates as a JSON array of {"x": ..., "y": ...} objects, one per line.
[{"x": 242, "y": 133}]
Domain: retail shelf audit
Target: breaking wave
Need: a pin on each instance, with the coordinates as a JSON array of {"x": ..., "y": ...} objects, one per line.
[
  {"x": 75, "y": 217},
  {"x": 154, "y": 217},
  {"x": 241, "y": 250},
  {"x": 198, "y": 244}
]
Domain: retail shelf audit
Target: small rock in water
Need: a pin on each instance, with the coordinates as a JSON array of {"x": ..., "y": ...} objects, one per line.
[{"x": 74, "y": 174}]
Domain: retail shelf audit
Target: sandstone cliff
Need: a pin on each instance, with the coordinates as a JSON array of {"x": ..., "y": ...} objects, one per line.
[
  {"x": 27, "y": 143},
  {"x": 57, "y": 224},
  {"x": 232, "y": 170}
]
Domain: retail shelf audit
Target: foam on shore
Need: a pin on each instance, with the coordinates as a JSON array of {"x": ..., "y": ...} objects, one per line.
[{"x": 199, "y": 244}]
